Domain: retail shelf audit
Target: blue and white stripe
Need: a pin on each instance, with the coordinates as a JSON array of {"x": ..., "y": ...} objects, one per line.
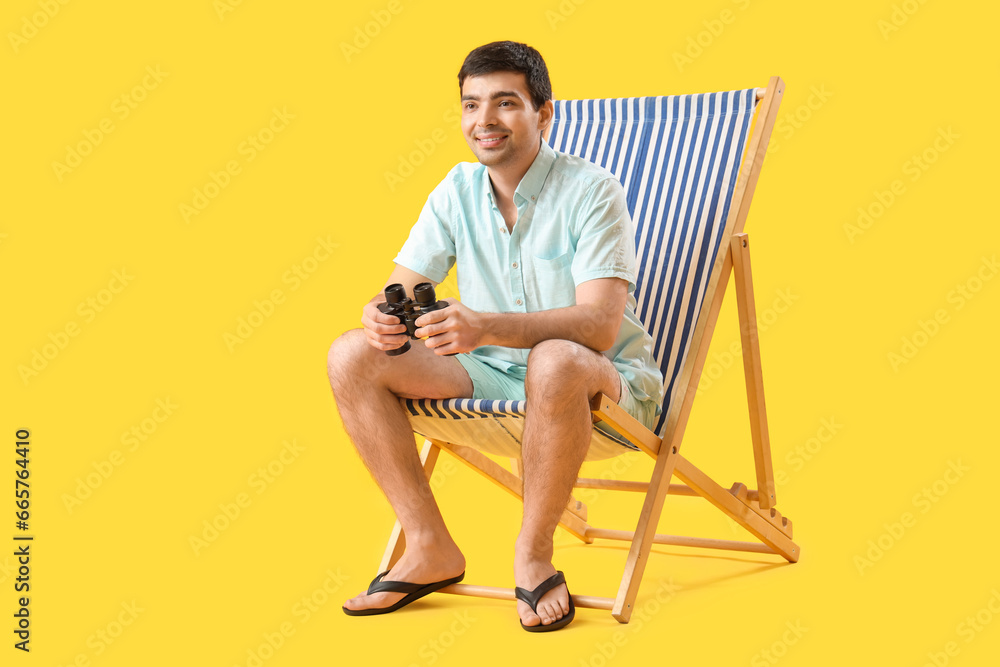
[
  {"x": 493, "y": 426},
  {"x": 677, "y": 158}
]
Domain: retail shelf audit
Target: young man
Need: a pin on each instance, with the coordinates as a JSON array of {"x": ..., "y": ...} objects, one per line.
[{"x": 546, "y": 267}]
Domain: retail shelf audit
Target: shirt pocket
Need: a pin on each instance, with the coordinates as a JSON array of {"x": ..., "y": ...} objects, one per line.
[
  {"x": 553, "y": 285},
  {"x": 554, "y": 264}
]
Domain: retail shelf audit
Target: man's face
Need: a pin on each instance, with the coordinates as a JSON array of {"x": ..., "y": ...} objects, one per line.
[{"x": 499, "y": 123}]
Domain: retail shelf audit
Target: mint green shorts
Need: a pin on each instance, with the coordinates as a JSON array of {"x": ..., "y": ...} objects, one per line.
[{"x": 491, "y": 383}]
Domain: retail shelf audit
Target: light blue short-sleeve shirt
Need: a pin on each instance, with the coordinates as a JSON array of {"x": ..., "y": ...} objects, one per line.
[{"x": 572, "y": 226}]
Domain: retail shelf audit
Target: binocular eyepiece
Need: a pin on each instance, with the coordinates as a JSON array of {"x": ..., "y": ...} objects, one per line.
[{"x": 408, "y": 310}]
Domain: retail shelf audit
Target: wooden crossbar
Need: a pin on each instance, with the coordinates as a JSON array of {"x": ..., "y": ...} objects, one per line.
[
  {"x": 642, "y": 487},
  {"x": 495, "y": 593},
  {"x": 682, "y": 541},
  {"x": 603, "y": 408}
]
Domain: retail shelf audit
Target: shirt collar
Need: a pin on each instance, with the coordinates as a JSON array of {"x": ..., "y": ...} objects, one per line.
[{"x": 533, "y": 179}]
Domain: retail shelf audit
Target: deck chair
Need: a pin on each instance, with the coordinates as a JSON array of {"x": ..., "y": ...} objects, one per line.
[{"x": 689, "y": 165}]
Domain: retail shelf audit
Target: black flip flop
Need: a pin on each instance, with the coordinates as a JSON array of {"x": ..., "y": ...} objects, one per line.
[
  {"x": 413, "y": 592},
  {"x": 532, "y": 598}
]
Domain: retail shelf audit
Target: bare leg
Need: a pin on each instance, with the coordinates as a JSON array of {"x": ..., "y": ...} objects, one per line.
[
  {"x": 367, "y": 385},
  {"x": 562, "y": 377}
]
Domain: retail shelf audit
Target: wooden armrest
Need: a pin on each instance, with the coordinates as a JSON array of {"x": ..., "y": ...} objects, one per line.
[{"x": 603, "y": 408}]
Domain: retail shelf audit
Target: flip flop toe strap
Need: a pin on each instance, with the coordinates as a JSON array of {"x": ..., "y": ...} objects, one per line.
[
  {"x": 532, "y": 597},
  {"x": 380, "y": 586}
]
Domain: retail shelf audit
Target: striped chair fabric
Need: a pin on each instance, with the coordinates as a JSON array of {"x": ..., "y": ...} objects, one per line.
[{"x": 678, "y": 158}]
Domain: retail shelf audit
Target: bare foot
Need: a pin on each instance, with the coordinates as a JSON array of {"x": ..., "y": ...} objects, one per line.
[
  {"x": 528, "y": 574},
  {"x": 415, "y": 566}
]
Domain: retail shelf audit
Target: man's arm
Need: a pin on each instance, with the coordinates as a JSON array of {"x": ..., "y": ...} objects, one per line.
[
  {"x": 594, "y": 322},
  {"x": 385, "y": 332}
]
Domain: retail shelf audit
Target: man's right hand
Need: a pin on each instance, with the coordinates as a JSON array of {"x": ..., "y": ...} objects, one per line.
[{"x": 384, "y": 332}]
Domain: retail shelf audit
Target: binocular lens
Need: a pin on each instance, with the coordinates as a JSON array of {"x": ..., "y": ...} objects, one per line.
[
  {"x": 424, "y": 295},
  {"x": 395, "y": 293}
]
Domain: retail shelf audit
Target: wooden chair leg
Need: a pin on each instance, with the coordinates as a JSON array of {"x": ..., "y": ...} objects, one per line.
[
  {"x": 740, "y": 248},
  {"x": 397, "y": 541},
  {"x": 645, "y": 531}
]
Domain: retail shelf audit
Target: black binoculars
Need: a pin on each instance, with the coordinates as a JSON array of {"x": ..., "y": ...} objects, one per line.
[{"x": 408, "y": 310}]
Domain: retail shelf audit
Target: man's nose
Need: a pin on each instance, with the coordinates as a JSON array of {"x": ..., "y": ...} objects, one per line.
[{"x": 487, "y": 117}]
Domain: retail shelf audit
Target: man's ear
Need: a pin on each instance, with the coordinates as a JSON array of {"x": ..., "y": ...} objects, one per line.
[{"x": 545, "y": 116}]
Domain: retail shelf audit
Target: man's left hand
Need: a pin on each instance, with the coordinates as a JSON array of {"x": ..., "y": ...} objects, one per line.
[{"x": 451, "y": 330}]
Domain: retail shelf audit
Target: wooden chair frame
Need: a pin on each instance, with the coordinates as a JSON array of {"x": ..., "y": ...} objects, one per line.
[{"x": 752, "y": 509}]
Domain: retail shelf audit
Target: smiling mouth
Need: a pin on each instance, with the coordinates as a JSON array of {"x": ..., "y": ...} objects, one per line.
[{"x": 491, "y": 141}]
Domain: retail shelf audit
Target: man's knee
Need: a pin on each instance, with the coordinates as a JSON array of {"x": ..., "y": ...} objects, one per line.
[
  {"x": 559, "y": 362},
  {"x": 347, "y": 355},
  {"x": 567, "y": 368}
]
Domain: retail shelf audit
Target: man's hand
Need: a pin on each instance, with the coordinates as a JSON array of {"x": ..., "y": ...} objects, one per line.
[
  {"x": 451, "y": 330},
  {"x": 384, "y": 332}
]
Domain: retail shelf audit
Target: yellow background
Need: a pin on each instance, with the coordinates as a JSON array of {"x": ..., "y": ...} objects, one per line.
[{"x": 864, "y": 96}]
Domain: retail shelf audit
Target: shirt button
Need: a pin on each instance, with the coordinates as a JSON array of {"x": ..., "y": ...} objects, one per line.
[
  {"x": 514, "y": 265},
  {"x": 532, "y": 197},
  {"x": 518, "y": 302}
]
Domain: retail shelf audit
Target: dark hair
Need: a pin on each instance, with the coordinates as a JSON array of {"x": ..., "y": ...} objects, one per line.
[{"x": 510, "y": 57}]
